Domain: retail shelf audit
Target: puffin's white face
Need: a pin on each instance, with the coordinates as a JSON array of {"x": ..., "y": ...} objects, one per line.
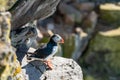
[{"x": 57, "y": 38}]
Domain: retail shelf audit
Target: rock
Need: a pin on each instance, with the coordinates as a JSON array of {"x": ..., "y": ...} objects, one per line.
[
  {"x": 40, "y": 35},
  {"x": 32, "y": 10},
  {"x": 82, "y": 38},
  {"x": 24, "y": 35},
  {"x": 90, "y": 22},
  {"x": 66, "y": 1},
  {"x": 5, "y": 26},
  {"x": 87, "y": 6},
  {"x": 111, "y": 33},
  {"x": 8, "y": 62},
  {"x": 6, "y": 4},
  {"x": 68, "y": 10},
  {"x": 22, "y": 39},
  {"x": 110, "y": 14},
  {"x": 81, "y": 42},
  {"x": 63, "y": 69}
]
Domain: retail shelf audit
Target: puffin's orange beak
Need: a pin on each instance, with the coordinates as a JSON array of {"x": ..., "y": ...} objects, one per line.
[{"x": 62, "y": 41}]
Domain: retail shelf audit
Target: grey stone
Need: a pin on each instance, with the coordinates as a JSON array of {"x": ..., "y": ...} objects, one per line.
[
  {"x": 88, "y": 6},
  {"x": 70, "y": 12},
  {"x": 30, "y": 10},
  {"x": 63, "y": 69}
]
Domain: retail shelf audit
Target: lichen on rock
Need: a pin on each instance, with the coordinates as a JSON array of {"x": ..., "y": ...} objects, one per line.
[
  {"x": 6, "y": 4},
  {"x": 5, "y": 26},
  {"x": 8, "y": 61}
]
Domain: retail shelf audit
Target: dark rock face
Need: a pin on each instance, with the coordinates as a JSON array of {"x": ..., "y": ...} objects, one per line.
[
  {"x": 22, "y": 40},
  {"x": 36, "y": 9}
]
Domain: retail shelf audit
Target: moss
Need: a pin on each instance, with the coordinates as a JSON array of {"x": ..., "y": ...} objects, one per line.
[
  {"x": 102, "y": 57},
  {"x": 110, "y": 13},
  {"x": 106, "y": 43},
  {"x": 88, "y": 77},
  {"x": 110, "y": 16},
  {"x": 44, "y": 40},
  {"x": 114, "y": 61},
  {"x": 68, "y": 46}
]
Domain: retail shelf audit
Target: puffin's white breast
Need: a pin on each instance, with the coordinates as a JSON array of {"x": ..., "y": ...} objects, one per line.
[{"x": 55, "y": 49}]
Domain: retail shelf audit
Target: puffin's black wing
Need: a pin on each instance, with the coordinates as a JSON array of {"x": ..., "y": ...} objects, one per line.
[
  {"x": 43, "y": 45},
  {"x": 40, "y": 52}
]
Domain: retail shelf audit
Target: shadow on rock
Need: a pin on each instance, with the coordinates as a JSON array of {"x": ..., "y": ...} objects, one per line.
[{"x": 34, "y": 70}]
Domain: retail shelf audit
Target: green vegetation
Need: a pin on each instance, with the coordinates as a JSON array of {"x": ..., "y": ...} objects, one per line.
[
  {"x": 68, "y": 46},
  {"x": 110, "y": 13},
  {"x": 102, "y": 58}
]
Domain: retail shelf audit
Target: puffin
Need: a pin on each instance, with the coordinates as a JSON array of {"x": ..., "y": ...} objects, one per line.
[{"x": 48, "y": 50}]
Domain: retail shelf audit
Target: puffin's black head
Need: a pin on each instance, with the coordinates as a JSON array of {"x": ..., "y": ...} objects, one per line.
[{"x": 57, "y": 38}]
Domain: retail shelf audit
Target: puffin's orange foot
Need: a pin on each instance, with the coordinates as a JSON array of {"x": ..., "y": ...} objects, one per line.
[{"x": 49, "y": 64}]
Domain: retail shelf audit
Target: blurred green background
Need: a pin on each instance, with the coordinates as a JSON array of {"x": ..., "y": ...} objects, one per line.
[{"x": 91, "y": 30}]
